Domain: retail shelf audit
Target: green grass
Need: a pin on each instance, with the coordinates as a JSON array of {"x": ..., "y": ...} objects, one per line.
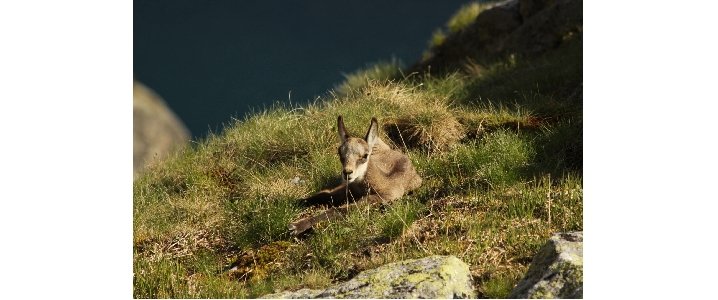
[
  {"x": 492, "y": 143},
  {"x": 458, "y": 21},
  {"x": 499, "y": 287},
  {"x": 374, "y": 72},
  {"x": 463, "y": 17}
]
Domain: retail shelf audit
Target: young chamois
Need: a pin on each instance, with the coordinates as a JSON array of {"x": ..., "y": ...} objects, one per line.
[{"x": 372, "y": 172}]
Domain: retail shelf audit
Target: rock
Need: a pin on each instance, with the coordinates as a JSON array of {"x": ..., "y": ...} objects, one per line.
[
  {"x": 499, "y": 20},
  {"x": 157, "y": 130},
  {"x": 491, "y": 24},
  {"x": 543, "y": 31},
  {"x": 296, "y": 181},
  {"x": 300, "y": 294},
  {"x": 556, "y": 271},
  {"x": 528, "y": 8},
  {"x": 430, "y": 277},
  {"x": 526, "y": 27}
]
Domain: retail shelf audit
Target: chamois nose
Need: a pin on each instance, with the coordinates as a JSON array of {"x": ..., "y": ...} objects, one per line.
[{"x": 347, "y": 172}]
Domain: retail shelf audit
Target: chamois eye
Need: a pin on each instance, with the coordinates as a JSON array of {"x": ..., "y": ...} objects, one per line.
[{"x": 364, "y": 158}]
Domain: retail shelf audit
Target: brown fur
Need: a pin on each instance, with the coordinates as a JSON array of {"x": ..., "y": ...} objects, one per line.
[{"x": 371, "y": 171}]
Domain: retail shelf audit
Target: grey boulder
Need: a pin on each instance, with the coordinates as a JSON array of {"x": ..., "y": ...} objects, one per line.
[
  {"x": 430, "y": 277},
  {"x": 556, "y": 271}
]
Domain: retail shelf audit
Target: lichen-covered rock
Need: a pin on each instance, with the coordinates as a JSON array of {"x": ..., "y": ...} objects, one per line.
[
  {"x": 156, "y": 129},
  {"x": 430, "y": 277},
  {"x": 556, "y": 271},
  {"x": 300, "y": 294}
]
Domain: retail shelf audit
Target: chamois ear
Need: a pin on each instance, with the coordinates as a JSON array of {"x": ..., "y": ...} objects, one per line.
[
  {"x": 371, "y": 133},
  {"x": 343, "y": 133}
]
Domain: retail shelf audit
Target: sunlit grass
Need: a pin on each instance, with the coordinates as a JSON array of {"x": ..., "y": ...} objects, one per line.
[
  {"x": 462, "y": 18},
  {"x": 375, "y": 72}
]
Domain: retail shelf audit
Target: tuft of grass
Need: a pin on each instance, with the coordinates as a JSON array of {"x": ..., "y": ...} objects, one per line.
[
  {"x": 437, "y": 38},
  {"x": 374, "y": 72},
  {"x": 430, "y": 128},
  {"x": 499, "y": 287},
  {"x": 464, "y": 16}
]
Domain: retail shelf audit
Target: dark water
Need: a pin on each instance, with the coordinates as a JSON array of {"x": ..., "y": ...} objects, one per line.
[{"x": 213, "y": 60}]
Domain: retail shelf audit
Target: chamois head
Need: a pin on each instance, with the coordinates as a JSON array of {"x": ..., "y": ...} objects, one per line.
[{"x": 354, "y": 152}]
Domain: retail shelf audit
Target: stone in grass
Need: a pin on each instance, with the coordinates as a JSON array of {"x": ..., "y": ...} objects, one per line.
[
  {"x": 556, "y": 271},
  {"x": 430, "y": 277},
  {"x": 300, "y": 294}
]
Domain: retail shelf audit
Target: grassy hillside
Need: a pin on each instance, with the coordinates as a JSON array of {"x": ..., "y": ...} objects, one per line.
[{"x": 499, "y": 147}]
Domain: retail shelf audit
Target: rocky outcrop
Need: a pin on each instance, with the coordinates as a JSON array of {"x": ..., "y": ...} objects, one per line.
[
  {"x": 497, "y": 21},
  {"x": 545, "y": 30},
  {"x": 300, "y": 294},
  {"x": 430, "y": 277},
  {"x": 528, "y": 8},
  {"x": 526, "y": 27},
  {"x": 156, "y": 129},
  {"x": 556, "y": 271},
  {"x": 491, "y": 24}
]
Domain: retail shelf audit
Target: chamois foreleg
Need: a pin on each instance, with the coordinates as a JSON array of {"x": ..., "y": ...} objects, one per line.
[
  {"x": 335, "y": 196},
  {"x": 304, "y": 224}
]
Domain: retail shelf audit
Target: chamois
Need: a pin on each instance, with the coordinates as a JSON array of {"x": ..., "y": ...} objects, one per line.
[{"x": 371, "y": 172}]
